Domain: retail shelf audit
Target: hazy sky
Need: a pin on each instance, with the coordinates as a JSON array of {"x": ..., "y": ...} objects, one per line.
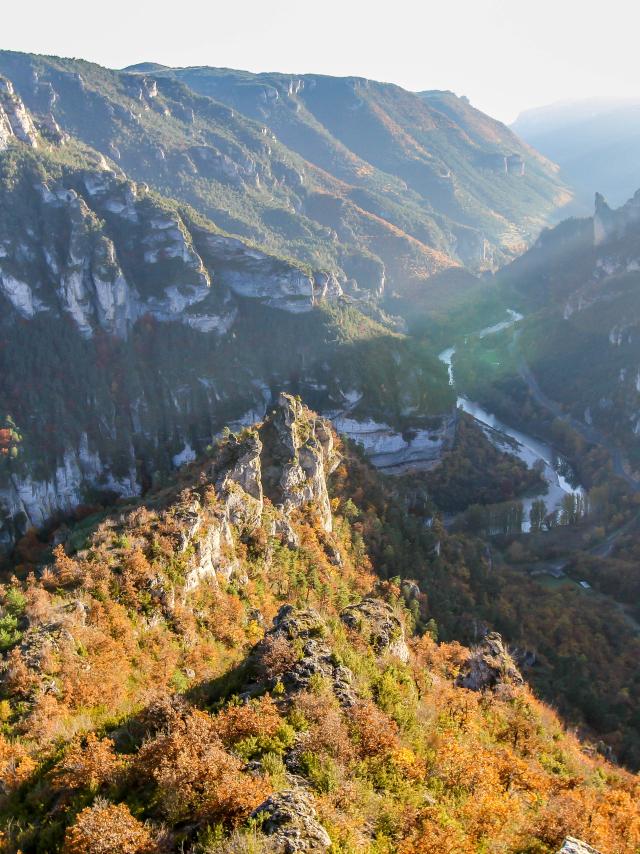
[{"x": 505, "y": 55}]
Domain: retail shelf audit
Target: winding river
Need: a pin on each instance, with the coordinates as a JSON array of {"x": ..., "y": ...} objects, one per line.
[{"x": 530, "y": 450}]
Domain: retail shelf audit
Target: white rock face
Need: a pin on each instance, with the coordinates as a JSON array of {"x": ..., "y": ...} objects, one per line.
[
  {"x": 86, "y": 280},
  {"x": 218, "y": 323},
  {"x": 599, "y": 231},
  {"x": 39, "y": 500},
  {"x": 394, "y": 453},
  {"x": 19, "y": 294},
  {"x": 170, "y": 280},
  {"x": 575, "y": 846},
  {"x": 15, "y": 121},
  {"x": 186, "y": 455},
  {"x": 6, "y": 131},
  {"x": 248, "y": 272},
  {"x": 289, "y": 289}
]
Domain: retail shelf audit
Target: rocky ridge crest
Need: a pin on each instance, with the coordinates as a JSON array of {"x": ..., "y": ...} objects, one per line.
[{"x": 125, "y": 254}]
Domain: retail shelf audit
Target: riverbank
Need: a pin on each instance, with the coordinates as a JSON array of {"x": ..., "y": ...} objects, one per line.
[{"x": 532, "y": 451}]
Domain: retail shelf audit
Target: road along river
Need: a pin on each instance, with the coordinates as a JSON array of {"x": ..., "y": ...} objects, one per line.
[{"x": 530, "y": 450}]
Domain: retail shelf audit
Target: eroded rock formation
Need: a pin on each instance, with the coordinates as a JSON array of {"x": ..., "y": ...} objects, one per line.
[
  {"x": 290, "y": 820},
  {"x": 376, "y": 622},
  {"x": 490, "y": 667},
  {"x": 299, "y": 636}
]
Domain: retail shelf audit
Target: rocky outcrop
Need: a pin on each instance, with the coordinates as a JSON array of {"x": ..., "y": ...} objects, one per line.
[
  {"x": 288, "y": 457},
  {"x": 290, "y": 820},
  {"x": 377, "y": 623},
  {"x": 399, "y": 453},
  {"x": 240, "y": 485},
  {"x": 575, "y": 846},
  {"x": 300, "y": 641},
  {"x": 239, "y": 503},
  {"x": 15, "y": 120},
  {"x": 490, "y": 667},
  {"x": 251, "y": 273},
  {"x": 316, "y": 659},
  {"x": 301, "y": 451},
  {"x": 610, "y": 224}
]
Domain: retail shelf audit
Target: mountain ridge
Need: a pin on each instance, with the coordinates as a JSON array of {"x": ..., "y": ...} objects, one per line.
[
  {"x": 122, "y": 271},
  {"x": 395, "y": 203},
  {"x": 218, "y": 667},
  {"x": 594, "y": 141}
]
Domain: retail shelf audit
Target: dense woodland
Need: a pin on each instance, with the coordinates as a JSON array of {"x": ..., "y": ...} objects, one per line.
[{"x": 476, "y": 472}]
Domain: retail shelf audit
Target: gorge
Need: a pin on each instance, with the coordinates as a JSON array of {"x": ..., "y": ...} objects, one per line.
[{"x": 319, "y": 472}]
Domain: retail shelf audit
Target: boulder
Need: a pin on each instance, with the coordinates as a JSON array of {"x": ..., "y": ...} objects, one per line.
[
  {"x": 575, "y": 846},
  {"x": 315, "y": 658},
  {"x": 490, "y": 666},
  {"x": 289, "y": 818},
  {"x": 376, "y": 622}
]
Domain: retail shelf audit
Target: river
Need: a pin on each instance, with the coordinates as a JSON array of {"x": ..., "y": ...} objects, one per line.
[{"x": 529, "y": 449}]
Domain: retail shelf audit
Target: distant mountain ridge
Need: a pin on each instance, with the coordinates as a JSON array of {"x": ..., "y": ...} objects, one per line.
[
  {"x": 596, "y": 142},
  {"x": 379, "y": 185},
  {"x": 580, "y": 286},
  {"x": 433, "y": 143}
]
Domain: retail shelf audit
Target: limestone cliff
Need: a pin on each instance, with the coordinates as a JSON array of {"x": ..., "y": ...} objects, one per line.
[
  {"x": 138, "y": 328},
  {"x": 584, "y": 350},
  {"x": 105, "y": 252},
  {"x": 15, "y": 121}
]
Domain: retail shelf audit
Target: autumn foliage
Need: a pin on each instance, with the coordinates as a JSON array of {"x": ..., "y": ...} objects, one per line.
[
  {"x": 106, "y": 828},
  {"x": 141, "y": 713},
  {"x": 195, "y": 777}
]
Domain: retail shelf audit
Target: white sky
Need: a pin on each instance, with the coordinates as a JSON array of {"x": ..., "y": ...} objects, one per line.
[{"x": 505, "y": 55}]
